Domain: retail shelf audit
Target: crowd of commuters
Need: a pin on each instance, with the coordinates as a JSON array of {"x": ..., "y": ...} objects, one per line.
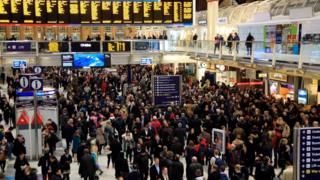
[{"x": 102, "y": 113}]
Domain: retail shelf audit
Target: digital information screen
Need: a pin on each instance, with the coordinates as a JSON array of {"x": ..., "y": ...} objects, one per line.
[
  {"x": 166, "y": 90},
  {"x": 187, "y": 11},
  {"x": 67, "y": 60},
  {"x": 4, "y": 11},
  {"x": 127, "y": 12},
  {"x": 85, "y": 11},
  {"x": 177, "y": 12},
  {"x": 52, "y": 11},
  {"x": 96, "y": 12},
  {"x": 16, "y": 11},
  {"x": 106, "y": 12},
  {"x": 137, "y": 12},
  {"x": 85, "y": 46},
  {"x": 28, "y": 11},
  {"x": 63, "y": 11},
  {"x": 147, "y": 12},
  {"x": 74, "y": 12},
  {"x": 40, "y": 11},
  {"x": 168, "y": 12},
  {"x": 117, "y": 46},
  {"x": 308, "y": 153},
  {"x": 157, "y": 13},
  {"x": 117, "y": 12}
]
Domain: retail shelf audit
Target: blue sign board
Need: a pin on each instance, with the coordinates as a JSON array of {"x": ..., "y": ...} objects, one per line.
[
  {"x": 146, "y": 61},
  {"x": 167, "y": 90},
  {"x": 18, "y": 46},
  {"x": 309, "y": 155},
  {"x": 17, "y": 64},
  {"x": 302, "y": 96}
]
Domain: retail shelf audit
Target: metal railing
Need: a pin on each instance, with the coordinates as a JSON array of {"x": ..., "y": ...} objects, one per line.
[{"x": 296, "y": 53}]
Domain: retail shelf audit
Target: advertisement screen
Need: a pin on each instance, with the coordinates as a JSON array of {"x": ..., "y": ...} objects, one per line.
[
  {"x": 67, "y": 60},
  {"x": 89, "y": 60},
  {"x": 17, "y": 64},
  {"x": 302, "y": 96}
]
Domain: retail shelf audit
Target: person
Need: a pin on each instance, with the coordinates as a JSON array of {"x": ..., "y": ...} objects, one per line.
[
  {"x": 87, "y": 168},
  {"x": 236, "y": 40},
  {"x": 100, "y": 138},
  {"x": 176, "y": 169},
  {"x": 3, "y": 154},
  {"x": 89, "y": 38},
  {"x": 54, "y": 167},
  {"x": 75, "y": 144},
  {"x": 10, "y": 139},
  {"x": 249, "y": 43},
  {"x": 264, "y": 170},
  {"x": 195, "y": 37},
  {"x": 13, "y": 38},
  {"x": 65, "y": 161},
  {"x": 20, "y": 165},
  {"x": 230, "y": 43},
  {"x": 217, "y": 43},
  {"x": 107, "y": 37},
  {"x": 18, "y": 146},
  {"x": 164, "y": 174},
  {"x": 195, "y": 169},
  {"x": 288, "y": 172},
  {"x": 128, "y": 144},
  {"x": 121, "y": 166},
  {"x": 155, "y": 170},
  {"x": 214, "y": 173},
  {"x": 44, "y": 164},
  {"x": 98, "y": 38}
]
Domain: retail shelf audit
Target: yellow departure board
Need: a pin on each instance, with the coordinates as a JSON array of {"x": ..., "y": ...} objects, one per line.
[
  {"x": 187, "y": 11},
  {"x": 95, "y": 12},
  {"x": 167, "y": 12},
  {"x": 16, "y": 11},
  {"x": 177, "y": 12},
  {"x": 28, "y": 11},
  {"x": 74, "y": 12},
  {"x": 127, "y": 12},
  {"x": 137, "y": 12},
  {"x": 63, "y": 11},
  {"x": 106, "y": 12},
  {"x": 40, "y": 11},
  {"x": 117, "y": 12},
  {"x": 147, "y": 12},
  {"x": 116, "y": 46},
  {"x": 4, "y": 11},
  {"x": 157, "y": 12},
  {"x": 85, "y": 11}
]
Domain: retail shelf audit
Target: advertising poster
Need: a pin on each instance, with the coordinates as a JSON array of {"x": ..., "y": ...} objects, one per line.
[{"x": 219, "y": 139}]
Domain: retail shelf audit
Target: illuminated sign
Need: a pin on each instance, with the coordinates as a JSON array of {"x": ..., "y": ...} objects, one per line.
[
  {"x": 52, "y": 11},
  {"x": 85, "y": 46},
  {"x": 157, "y": 12},
  {"x": 85, "y": 11},
  {"x": 177, "y": 12},
  {"x": 137, "y": 12},
  {"x": 167, "y": 12},
  {"x": 187, "y": 11},
  {"x": 74, "y": 12},
  {"x": 40, "y": 11},
  {"x": 28, "y": 11},
  {"x": 96, "y": 12},
  {"x": 4, "y": 11},
  {"x": 63, "y": 11},
  {"x": 147, "y": 13},
  {"x": 117, "y": 12},
  {"x": 127, "y": 12},
  {"x": 106, "y": 12},
  {"x": 117, "y": 46}
]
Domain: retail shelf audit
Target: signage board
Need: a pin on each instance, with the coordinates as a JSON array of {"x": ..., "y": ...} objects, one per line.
[
  {"x": 307, "y": 153},
  {"x": 117, "y": 46},
  {"x": 166, "y": 90},
  {"x": 146, "y": 61},
  {"x": 93, "y": 46},
  {"x": 18, "y": 46},
  {"x": 302, "y": 96},
  {"x": 278, "y": 77},
  {"x": 17, "y": 64}
]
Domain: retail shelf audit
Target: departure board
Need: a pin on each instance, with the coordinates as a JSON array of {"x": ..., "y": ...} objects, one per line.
[
  {"x": 28, "y": 11},
  {"x": 40, "y": 11},
  {"x": 4, "y": 11},
  {"x": 127, "y": 12},
  {"x": 85, "y": 11},
  {"x": 117, "y": 46},
  {"x": 96, "y": 12},
  {"x": 177, "y": 12},
  {"x": 16, "y": 11},
  {"x": 63, "y": 11},
  {"x": 157, "y": 12},
  {"x": 117, "y": 12},
  {"x": 137, "y": 12},
  {"x": 187, "y": 11},
  {"x": 167, "y": 12},
  {"x": 52, "y": 11},
  {"x": 147, "y": 12},
  {"x": 106, "y": 12},
  {"x": 74, "y": 12}
]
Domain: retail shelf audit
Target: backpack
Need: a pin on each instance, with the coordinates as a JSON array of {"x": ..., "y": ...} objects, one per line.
[{"x": 219, "y": 162}]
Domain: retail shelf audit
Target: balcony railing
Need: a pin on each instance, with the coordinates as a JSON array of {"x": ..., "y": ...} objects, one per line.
[{"x": 298, "y": 53}]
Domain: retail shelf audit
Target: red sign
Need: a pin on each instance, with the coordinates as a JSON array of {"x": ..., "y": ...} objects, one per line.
[
  {"x": 23, "y": 119},
  {"x": 39, "y": 119}
]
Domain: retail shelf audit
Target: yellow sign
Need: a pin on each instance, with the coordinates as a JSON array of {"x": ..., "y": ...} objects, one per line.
[
  {"x": 53, "y": 47},
  {"x": 278, "y": 77}
]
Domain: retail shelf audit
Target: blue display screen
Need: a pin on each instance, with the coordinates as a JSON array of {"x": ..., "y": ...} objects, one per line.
[
  {"x": 19, "y": 63},
  {"x": 88, "y": 60}
]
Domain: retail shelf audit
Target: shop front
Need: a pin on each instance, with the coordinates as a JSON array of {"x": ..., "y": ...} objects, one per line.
[{"x": 279, "y": 86}]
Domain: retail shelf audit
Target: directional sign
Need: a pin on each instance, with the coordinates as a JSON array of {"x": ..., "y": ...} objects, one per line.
[
  {"x": 24, "y": 82},
  {"x": 37, "y": 69},
  {"x": 36, "y": 84}
]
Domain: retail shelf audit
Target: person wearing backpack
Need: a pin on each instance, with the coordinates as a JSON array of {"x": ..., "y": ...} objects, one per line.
[{"x": 264, "y": 170}]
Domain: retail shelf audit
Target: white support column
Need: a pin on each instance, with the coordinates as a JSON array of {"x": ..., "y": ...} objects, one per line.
[{"x": 212, "y": 18}]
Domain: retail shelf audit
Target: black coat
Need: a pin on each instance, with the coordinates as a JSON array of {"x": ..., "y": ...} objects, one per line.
[
  {"x": 44, "y": 163},
  {"x": 176, "y": 170},
  {"x": 87, "y": 166},
  {"x": 18, "y": 148},
  {"x": 65, "y": 162},
  {"x": 154, "y": 173},
  {"x": 18, "y": 166},
  {"x": 121, "y": 167},
  {"x": 193, "y": 168}
]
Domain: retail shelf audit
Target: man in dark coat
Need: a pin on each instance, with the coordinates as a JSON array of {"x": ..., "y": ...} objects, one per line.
[
  {"x": 176, "y": 169},
  {"x": 87, "y": 168},
  {"x": 193, "y": 168},
  {"x": 155, "y": 169},
  {"x": 18, "y": 146}
]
